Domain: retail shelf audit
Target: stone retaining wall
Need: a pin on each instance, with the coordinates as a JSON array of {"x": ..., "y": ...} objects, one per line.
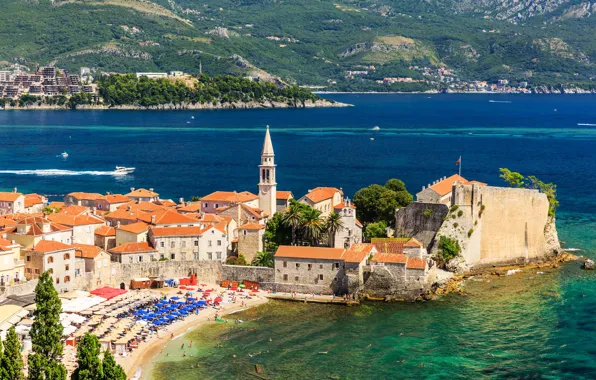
[{"x": 240, "y": 273}]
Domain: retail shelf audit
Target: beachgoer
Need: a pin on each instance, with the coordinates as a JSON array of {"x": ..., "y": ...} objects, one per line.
[
  {"x": 190, "y": 344},
  {"x": 182, "y": 347},
  {"x": 184, "y": 354}
]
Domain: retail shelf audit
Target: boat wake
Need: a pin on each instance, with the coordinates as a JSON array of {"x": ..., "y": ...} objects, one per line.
[
  {"x": 59, "y": 172},
  {"x": 499, "y": 101},
  {"x": 586, "y": 124}
]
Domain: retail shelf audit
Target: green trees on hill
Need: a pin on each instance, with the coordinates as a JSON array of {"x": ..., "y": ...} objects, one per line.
[
  {"x": 130, "y": 90},
  {"x": 377, "y": 203},
  {"x": 515, "y": 179},
  {"x": 11, "y": 362}
]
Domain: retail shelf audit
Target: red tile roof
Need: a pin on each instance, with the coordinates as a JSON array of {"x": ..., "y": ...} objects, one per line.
[
  {"x": 389, "y": 245},
  {"x": 55, "y": 204},
  {"x": 46, "y": 246},
  {"x": 36, "y": 224},
  {"x": 358, "y": 252},
  {"x": 133, "y": 248},
  {"x": 85, "y": 196},
  {"x": 285, "y": 195},
  {"x": 190, "y": 207},
  {"x": 141, "y": 206},
  {"x": 7, "y": 222},
  {"x": 86, "y": 251},
  {"x": 169, "y": 216},
  {"x": 33, "y": 199},
  {"x": 252, "y": 227},
  {"x": 341, "y": 205},
  {"x": 115, "y": 198},
  {"x": 415, "y": 263},
  {"x": 321, "y": 193},
  {"x": 122, "y": 214},
  {"x": 230, "y": 196},
  {"x": 166, "y": 202},
  {"x": 73, "y": 210},
  {"x": 9, "y": 196},
  {"x": 413, "y": 243},
  {"x": 135, "y": 228},
  {"x": 390, "y": 258},
  {"x": 309, "y": 252},
  {"x": 445, "y": 186},
  {"x": 72, "y": 220},
  {"x": 105, "y": 231},
  {"x": 142, "y": 193}
]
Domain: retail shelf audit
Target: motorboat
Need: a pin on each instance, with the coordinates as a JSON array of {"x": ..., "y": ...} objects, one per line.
[
  {"x": 64, "y": 154},
  {"x": 123, "y": 170},
  {"x": 376, "y": 128}
]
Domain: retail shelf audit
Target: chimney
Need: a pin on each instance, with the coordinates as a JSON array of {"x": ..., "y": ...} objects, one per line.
[
  {"x": 429, "y": 185},
  {"x": 108, "y": 193},
  {"x": 152, "y": 219},
  {"x": 181, "y": 201},
  {"x": 151, "y": 189},
  {"x": 118, "y": 224},
  {"x": 129, "y": 208},
  {"x": 14, "y": 190},
  {"x": 423, "y": 187},
  {"x": 132, "y": 189}
]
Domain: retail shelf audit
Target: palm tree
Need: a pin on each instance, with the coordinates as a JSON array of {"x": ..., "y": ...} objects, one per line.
[
  {"x": 312, "y": 225},
  {"x": 333, "y": 223},
  {"x": 293, "y": 218},
  {"x": 263, "y": 259}
]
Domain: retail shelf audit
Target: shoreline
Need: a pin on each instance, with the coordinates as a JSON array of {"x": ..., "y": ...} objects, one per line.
[
  {"x": 138, "y": 364},
  {"x": 444, "y": 93}
]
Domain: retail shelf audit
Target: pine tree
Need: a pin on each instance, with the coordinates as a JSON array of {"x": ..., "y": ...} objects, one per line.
[
  {"x": 89, "y": 364},
  {"x": 11, "y": 363},
  {"x": 111, "y": 370},
  {"x": 46, "y": 332}
]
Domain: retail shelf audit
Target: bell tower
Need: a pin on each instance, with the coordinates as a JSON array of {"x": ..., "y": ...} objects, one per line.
[{"x": 267, "y": 184}]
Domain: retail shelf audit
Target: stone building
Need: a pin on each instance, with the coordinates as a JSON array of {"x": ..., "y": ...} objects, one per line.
[
  {"x": 351, "y": 230},
  {"x": 53, "y": 256},
  {"x": 34, "y": 203},
  {"x": 267, "y": 182},
  {"x": 81, "y": 199},
  {"x": 105, "y": 237},
  {"x": 130, "y": 253},
  {"x": 96, "y": 261},
  {"x": 142, "y": 195},
  {"x": 82, "y": 226},
  {"x": 283, "y": 200},
  {"x": 323, "y": 199},
  {"x": 131, "y": 233},
  {"x": 440, "y": 190},
  {"x": 220, "y": 200},
  {"x": 250, "y": 240},
  {"x": 111, "y": 202},
  {"x": 30, "y": 231},
  {"x": 243, "y": 214}
]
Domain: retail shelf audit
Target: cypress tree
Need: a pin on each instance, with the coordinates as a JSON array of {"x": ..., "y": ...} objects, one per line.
[
  {"x": 111, "y": 370},
  {"x": 46, "y": 332},
  {"x": 89, "y": 364},
  {"x": 11, "y": 363}
]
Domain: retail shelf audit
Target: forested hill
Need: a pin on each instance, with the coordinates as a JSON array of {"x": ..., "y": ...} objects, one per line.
[{"x": 543, "y": 42}]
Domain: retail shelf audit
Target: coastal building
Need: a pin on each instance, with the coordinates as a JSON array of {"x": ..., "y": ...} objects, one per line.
[
  {"x": 96, "y": 261},
  {"x": 131, "y": 233},
  {"x": 323, "y": 199},
  {"x": 111, "y": 202},
  {"x": 243, "y": 214},
  {"x": 350, "y": 231},
  {"x": 12, "y": 267},
  {"x": 105, "y": 237},
  {"x": 55, "y": 257},
  {"x": 125, "y": 216},
  {"x": 267, "y": 183},
  {"x": 81, "y": 199},
  {"x": 143, "y": 195},
  {"x": 170, "y": 218},
  {"x": 283, "y": 200},
  {"x": 440, "y": 190},
  {"x": 250, "y": 240},
  {"x": 34, "y": 203},
  {"x": 190, "y": 243},
  {"x": 220, "y": 200},
  {"x": 82, "y": 226},
  {"x": 12, "y": 202},
  {"x": 130, "y": 253},
  {"x": 29, "y": 231}
]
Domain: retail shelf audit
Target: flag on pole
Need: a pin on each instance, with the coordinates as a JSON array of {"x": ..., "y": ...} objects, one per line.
[{"x": 458, "y": 161}]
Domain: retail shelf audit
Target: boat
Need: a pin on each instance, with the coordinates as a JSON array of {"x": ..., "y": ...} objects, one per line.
[
  {"x": 376, "y": 128},
  {"x": 372, "y": 139},
  {"x": 64, "y": 154},
  {"x": 123, "y": 170}
]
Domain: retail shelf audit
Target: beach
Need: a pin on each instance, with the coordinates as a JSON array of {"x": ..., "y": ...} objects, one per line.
[{"x": 137, "y": 364}]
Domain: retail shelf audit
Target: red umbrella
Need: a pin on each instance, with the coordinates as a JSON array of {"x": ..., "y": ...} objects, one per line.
[
  {"x": 218, "y": 300},
  {"x": 183, "y": 287}
]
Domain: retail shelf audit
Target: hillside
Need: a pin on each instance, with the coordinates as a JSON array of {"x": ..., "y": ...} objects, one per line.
[{"x": 543, "y": 42}]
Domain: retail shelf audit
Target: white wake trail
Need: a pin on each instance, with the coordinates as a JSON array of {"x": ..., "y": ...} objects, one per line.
[{"x": 58, "y": 172}]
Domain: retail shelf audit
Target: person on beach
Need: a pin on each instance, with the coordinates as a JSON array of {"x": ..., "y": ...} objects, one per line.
[
  {"x": 182, "y": 348},
  {"x": 190, "y": 344},
  {"x": 184, "y": 354}
]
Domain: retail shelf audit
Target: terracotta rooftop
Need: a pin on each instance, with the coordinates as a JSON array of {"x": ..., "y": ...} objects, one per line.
[
  {"x": 115, "y": 198},
  {"x": 5, "y": 245},
  {"x": 54, "y": 204},
  {"x": 86, "y": 251},
  {"x": 85, "y": 196},
  {"x": 251, "y": 226},
  {"x": 36, "y": 224},
  {"x": 390, "y": 258},
  {"x": 141, "y": 206},
  {"x": 285, "y": 195},
  {"x": 358, "y": 252},
  {"x": 133, "y": 248},
  {"x": 105, "y": 231},
  {"x": 413, "y": 243},
  {"x": 166, "y": 202},
  {"x": 389, "y": 245},
  {"x": 7, "y": 222},
  {"x": 230, "y": 196},
  {"x": 9, "y": 196},
  {"x": 190, "y": 207},
  {"x": 178, "y": 231},
  {"x": 122, "y": 214},
  {"x": 142, "y": 193},
  {"x": 341, "y": 205},
  {"x": 321, "y": 193},
  {"x": 135, "y": 228},
  {"x": 73, "y": 210},
  {"x": 416, "y": 263},
  {"x": 46, "y": 246},
  {"x": 72, "y": 220},
  {"x": 169, "y": 216},
  {"x": 445, "y": 186},
  {"x": 309, "y": 252},
  {"x": 33, "y": 199}
]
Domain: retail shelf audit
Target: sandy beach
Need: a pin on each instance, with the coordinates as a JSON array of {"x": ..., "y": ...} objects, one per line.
[{"x": 138, "y": 363}]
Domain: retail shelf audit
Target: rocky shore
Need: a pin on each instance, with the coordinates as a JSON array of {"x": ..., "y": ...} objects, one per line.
[{"x": 321, "y": 103}]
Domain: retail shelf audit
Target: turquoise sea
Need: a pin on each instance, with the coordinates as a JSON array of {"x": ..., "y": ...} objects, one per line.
[{"x": 524, "y": 326}]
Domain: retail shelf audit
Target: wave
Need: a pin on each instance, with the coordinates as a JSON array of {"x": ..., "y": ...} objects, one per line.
[
  {"x": 572, "y": 249},
  {"x": 586, "y": 124},
  {"x": 499, "y": 101},
  {"x": 59, "y": 172}
]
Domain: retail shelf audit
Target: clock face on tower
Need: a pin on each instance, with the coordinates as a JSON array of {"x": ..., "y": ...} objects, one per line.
[{"x": 264, "y": 191}]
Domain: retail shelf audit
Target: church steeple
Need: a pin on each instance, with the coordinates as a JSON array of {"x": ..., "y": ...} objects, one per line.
[{"x": 267, "y": 184}]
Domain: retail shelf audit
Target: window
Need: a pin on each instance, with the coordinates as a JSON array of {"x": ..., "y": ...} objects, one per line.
[
  {"x": 210, "y": 255},
  {"x": 336, "y": 265},
  {"x": 36, "y": 271},
  {"x": 28, "y": 258},
  {"x": 50, "y": 259},
  {"x": 209, "y": 243},
  {"x": 162, "y": 256},
  {"x": 219, "y": 243},
  {"x": 67, "y": 267},
  {"x": 172, "y": 256},
  {"x": 320, "y": 277},
  {"x": 57, "y": 280},
  {"x": 321, "y": 266},
  {"x": 196, "y": 243},
  {"x": 217, "y": 205},
  {"x": 244, "y": 232},
  {"x": 184, "y": 244},
  {"x": 88, "y": 230},
  {"x": 162, "y": 244},
  {"x": 67, "y": 256},
  {"x": 172, "y": 244},
  {"x": 183, "y": 256},
  {"x": 206, "y": 204},
  {"x": 140, "y": 259},
  {"x": 28, "y": 270},
  {"x": 66, "y": 278},
  {"x": 285, "y": 264},
  {"x": 297, "y": 265},
  {"x": 219, "y": 255},
  {"x": 99, "y": 206},
  {"x": 285, "y": 277},
  {"x": 151, "y": 257},
  {"x": 77, "y": 272},
  {"x": 309, "y": 266},
  {"x": 196, "y": 256},
  {"x": 130, "y": 259},
  {"x": 296, "y": 278}
]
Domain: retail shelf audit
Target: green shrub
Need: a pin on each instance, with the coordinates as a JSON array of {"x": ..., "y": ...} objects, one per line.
[
  {"x": 448, "y": 248},
  {"x": 428, "y": 212},
  {"x": 455, "y": 225},
  {"x": 460, "y": 213},
  {"x": 470, "y": 232},
  {"x": 452, "y": 216},
  {"x": 454, "y": 208}
]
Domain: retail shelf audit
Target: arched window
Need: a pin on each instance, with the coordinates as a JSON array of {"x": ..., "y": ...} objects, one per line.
[
  {"x": 67, "y": 256},
  {"x": 67, "y": 279},
  {"x": 50, "y": 259},
  {"x": 57, "y": 280}
]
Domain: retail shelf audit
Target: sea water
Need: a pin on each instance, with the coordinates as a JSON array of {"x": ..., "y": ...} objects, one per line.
[{"x": 517, "y": 326}]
